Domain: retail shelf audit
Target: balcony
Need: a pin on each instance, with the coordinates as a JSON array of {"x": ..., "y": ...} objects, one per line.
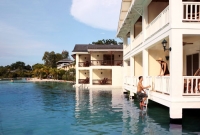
[
  {"x": 84, "y": 64},
  {"x": 161, "y": 84},
  {"x": 104, "y": 81},
  {"x": 158, "y": 23},
  {"x": 84, "y": 81},
  {"x": 106, "y": 63},
  {"x": 191, "y": 85},
  {"x": 191, "y": 11},
  {"x": 138, "y": 40}
]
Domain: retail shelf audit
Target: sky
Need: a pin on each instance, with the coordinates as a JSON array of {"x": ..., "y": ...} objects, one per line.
[{"x": 28, "y": 28}]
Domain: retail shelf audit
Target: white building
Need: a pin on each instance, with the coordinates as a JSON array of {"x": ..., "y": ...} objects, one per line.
[
  {"x": 99, "y": 66},
  {"x": 143, "y": 25},
  {"x": 65, "y": 64}
]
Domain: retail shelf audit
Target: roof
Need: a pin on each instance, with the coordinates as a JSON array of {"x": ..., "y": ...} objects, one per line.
[
  {"x": 85, "y": 48},
  {"x": 65, "y": 61},
  {"x": 80, "y": 48}
]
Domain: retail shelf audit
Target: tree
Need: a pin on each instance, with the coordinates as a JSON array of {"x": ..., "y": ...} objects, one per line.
[
  {"x": 65, "y": 54},
  {"x": 17, "y": 65},
  {"x": 106, "y": 42},
  {"x": 49, "y": 59}
]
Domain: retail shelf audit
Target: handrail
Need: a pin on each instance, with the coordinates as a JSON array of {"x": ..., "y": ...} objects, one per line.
[
  {"x": 191, "y": 11},
  {"x": 191, "y": 85},
  {"x": 106, "y": 62}
]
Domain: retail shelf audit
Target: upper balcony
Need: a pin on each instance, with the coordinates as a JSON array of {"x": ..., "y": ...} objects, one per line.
[
  {"x": 191, "y": 11},
  {"x": 101, "y": 59},
  {"x": 98, "y": 55}
]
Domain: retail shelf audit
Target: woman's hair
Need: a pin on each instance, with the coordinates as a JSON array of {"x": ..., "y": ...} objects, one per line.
[{"x": 140, "y": 77}]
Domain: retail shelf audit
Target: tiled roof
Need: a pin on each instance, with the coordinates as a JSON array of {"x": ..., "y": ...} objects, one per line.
[
  {"x": 84, "y": 48},
  {"x": 80, "y": 48}
]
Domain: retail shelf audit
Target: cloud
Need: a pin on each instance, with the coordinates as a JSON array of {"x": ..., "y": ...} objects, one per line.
[{"x": 103, "y": 14}]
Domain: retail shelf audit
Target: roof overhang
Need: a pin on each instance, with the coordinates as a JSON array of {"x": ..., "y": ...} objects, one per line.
[
  {"x": 80, "y": 53},
  {"x": 130, "y": 11},
  {"x": 104, "y": 50}
]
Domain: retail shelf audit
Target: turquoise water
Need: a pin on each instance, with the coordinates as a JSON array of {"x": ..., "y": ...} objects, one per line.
[{"x": 58, "y": 109}]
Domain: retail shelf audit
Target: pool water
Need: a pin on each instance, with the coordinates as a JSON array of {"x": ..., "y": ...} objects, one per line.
[{"x": 49, "y": 108}]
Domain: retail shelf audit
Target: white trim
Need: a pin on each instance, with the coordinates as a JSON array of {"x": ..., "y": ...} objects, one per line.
[
  {"x": 104, "y": 50},
  {"x": 80, "y": 52}
]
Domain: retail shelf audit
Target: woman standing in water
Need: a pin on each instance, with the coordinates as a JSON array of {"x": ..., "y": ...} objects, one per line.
[{"x": 164, "y": 71}]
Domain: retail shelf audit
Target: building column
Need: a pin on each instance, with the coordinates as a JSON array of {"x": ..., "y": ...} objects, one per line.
[
  {"x": 174, "y": 16},
  {"x": 145, "y": 64},
  {"x": 176, "y": 73},
  {"x": 77, "y": 68},
  {"x": 125, "y": 42},
  {"x": 91, "y": 73}
]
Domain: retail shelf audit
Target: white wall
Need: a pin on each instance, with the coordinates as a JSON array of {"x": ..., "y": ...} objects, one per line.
[
  {"x": 100, "y": 74},
  {"x": 154, "y": 66},
  {"x": 117, "y": 76},
  {"x": 84, "y": 57},
  {"x": 83, "y": 74},
  {"x": 138, "y": 65}
]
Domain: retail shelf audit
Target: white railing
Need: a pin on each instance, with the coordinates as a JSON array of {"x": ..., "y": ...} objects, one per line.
[
  {"x": 191, "y": 85},
  {"x": 191, "y": 11},
  {"x": 149, "y": 81},
  {"x": 131, "y": 80},
  {"x": 159, "y": 83},
  {"x": 162, "y": 84},
  {"x": 127, "y": 49},
  {"x": 158, "y": 23},
  {"x": 138, "y": 40}
]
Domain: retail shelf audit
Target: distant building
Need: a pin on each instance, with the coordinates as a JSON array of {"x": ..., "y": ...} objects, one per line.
[
  {"x": 98, "y": 65},
  {"x": 65, "y": 64}
]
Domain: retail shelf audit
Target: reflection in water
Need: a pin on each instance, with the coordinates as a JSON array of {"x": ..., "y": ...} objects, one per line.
[{"x": 56, "y": 108}]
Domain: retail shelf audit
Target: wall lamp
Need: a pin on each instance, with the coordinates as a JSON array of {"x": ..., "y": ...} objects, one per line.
[{"x": 164, "y": 43}]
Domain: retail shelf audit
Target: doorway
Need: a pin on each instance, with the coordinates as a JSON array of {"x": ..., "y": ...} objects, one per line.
[{"x": 192, "y": 64}]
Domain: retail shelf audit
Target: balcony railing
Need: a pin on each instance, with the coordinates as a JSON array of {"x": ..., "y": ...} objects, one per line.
[
  {"x": 106, "y": 62},
  {"x": 138, "y": 40},
  {"x": 162, "y": 84},
  {"x": 84, "y": 81},
  {"x": 158, "y": 23},
  {"x": 104, "y": 81},
  {"x": 159, "y": 83},
  {"x": 191, "y": 85},
  {"x": 191, "y": 11},
  {"x": 84, "y": 64}
]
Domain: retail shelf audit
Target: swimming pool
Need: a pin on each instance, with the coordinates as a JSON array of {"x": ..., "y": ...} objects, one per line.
[{"x": 49, "y": 108}]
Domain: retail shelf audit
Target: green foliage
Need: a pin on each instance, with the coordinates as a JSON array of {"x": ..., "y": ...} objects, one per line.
[
  {"x": 106, "y": 42},
  {"x": 18, "y": 69},
  {"x": 50, "y": 58},
  {"x": 65, "y": 54}
]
